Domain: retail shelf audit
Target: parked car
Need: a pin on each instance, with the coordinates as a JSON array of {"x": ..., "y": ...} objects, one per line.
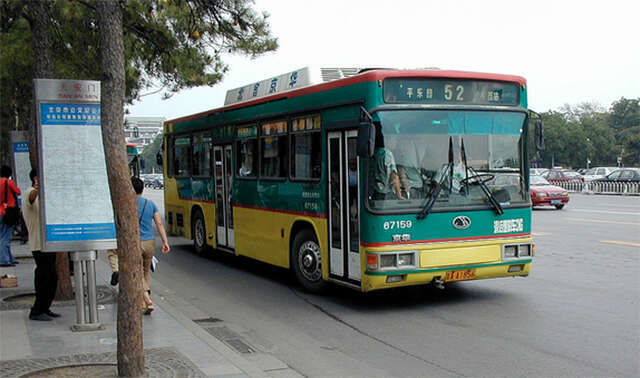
[
  {"x": 157, "y": 182},
  {"x": 597, "y": 173},
  {"x": 544, "y": 193},
  {"x": 563, "y": 175},
  {"x": 622, "y": 175},
  {"x": 538, "y": 171}
]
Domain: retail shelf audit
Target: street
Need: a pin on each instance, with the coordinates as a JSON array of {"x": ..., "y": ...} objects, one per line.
[{"x": 576, "y": 315}]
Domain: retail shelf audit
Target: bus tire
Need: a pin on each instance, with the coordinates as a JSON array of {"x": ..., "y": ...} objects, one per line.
[
  {"x": 199, "y": 232},
  {"x": 306, "y": 261},
  {"x": 559, "y": 206}
]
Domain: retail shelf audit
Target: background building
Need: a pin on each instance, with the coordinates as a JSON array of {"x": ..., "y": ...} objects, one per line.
[{"x": 142, "y": 130}]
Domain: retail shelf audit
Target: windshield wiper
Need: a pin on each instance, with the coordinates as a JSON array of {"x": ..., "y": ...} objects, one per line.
[
  {"x": 435, "y": 191},
  {"x": 478, "y": 180}
]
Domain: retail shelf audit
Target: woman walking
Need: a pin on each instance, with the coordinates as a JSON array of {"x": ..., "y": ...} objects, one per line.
[{"x": 9, "y": 215}]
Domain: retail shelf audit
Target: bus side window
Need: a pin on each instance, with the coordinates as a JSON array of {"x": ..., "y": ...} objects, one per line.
[
  {"x": 306, "y": 148},
  {"x": 274, "y": 150},
  {"x": 306, "y": 156},
  {"x": 182, "y": 156},
  {"x": 246, "y": 153}
]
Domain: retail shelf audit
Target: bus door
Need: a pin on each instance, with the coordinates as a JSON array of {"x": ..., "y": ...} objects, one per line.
[
  {"x": 344, "y": 206},
  {"x": 224, "y": 211}
]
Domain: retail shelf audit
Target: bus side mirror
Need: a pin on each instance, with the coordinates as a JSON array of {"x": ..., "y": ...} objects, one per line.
[
  {"x": 159, "y": 158},
  {"x": 141, "y": 163},
  {"x": 539, "y": 135},
  {"x": 366, "y": 139}
]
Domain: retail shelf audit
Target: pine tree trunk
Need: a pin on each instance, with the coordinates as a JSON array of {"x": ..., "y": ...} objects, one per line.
[
  {"x": 64, "y": 291},
  {"x": 130, "y": 348},
  {"x": 39, "y": 17},
  {"x": 43, "y": 61}
]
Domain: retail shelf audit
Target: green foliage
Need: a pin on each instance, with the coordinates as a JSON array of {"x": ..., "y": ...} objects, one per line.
[
  {"x": 149, "y": 155},
  {"x": 588, "y": 132},
  {"x": 169, "y": 44},
  {"x": 16, "y": 73}
]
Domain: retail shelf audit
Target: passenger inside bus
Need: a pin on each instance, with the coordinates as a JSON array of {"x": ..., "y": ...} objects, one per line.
[
  {"x": 386, "y": 179},
  {"x": 409, "y": 172},
  {"x": 246, "y": 168}
]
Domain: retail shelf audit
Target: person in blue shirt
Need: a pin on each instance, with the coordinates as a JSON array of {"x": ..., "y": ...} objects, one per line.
[{"x": 147, "y": 215}]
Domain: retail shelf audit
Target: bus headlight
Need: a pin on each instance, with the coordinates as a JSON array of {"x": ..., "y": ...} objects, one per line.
[
  {"x": 510, "y": 251},
  {"x": 514, "y": 251},
  {"x": 541, "y": 194},
  {"x": 388, "y": 261},
  {"x": 406, "y": 259},
  {"x": 391, "y": 260}
]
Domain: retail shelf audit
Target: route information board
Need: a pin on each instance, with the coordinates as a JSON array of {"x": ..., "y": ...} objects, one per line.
[{"x": 76, "y": 208}]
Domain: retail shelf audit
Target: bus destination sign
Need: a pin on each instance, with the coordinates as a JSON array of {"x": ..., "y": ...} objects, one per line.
[{"x": 444, "y": 91}]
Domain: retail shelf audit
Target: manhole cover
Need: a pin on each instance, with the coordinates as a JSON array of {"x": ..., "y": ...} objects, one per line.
[
  {"x": 239, "y": 345},
  {"x": 222, "y": 333},
  {"x": 98, "y": 370},
  {"x": 23, "y": 299}
]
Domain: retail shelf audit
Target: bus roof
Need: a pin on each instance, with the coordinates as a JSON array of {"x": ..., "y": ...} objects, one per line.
[
  {"x": 363, "y": 75},
  {"x": 132, "y": 149}
]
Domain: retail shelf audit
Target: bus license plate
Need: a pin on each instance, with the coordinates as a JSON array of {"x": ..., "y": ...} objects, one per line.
[
  {"x": 460, "y": 275},
  {"x": 556, "y": 202}
]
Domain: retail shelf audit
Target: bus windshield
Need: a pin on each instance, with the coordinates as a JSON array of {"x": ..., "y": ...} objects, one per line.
[{"x": 469, "y": 155}]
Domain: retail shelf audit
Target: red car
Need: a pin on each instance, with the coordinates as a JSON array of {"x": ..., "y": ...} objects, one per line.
[
  {"x": 563, "y": 175},
  {"x": 545, "y": 194}
]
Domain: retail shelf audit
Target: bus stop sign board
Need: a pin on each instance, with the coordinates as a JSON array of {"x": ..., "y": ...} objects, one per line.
[{"x": 75, "y": 203}]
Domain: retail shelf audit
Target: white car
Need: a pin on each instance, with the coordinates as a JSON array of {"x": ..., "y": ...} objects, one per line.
[
  {"x": 538, "y": 171},
  {"x": 598, "y": 173}
]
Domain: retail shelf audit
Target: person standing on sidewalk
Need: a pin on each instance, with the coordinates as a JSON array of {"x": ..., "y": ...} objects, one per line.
[
  {"x": 8, "y": 192},
  {"x": 46, "y": 277},
  {"x": 112, "y": 256},
  {"x": 148, "y": 213}
]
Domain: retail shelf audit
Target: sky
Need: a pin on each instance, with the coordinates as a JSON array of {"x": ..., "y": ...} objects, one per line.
[{"x": 569, "y": 51}]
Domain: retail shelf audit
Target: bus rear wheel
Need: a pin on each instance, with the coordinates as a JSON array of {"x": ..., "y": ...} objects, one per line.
[
  {"x": 306, "y": 261},
  {"x": 199, "y": 233}
]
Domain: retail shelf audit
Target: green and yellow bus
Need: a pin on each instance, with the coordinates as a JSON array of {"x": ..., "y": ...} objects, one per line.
[
  {"x": 134, "y": 159},
  {"x": 369, "y": 178}
]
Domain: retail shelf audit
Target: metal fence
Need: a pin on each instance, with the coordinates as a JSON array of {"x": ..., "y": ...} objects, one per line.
[{"x": 626, "y": 188}]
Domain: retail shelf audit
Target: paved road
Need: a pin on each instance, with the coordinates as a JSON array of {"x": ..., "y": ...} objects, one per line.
[{"x": 576, "y": 315}]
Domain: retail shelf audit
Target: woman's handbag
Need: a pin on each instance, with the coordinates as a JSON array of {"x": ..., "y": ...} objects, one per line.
[{"x": 11, "y": 214}]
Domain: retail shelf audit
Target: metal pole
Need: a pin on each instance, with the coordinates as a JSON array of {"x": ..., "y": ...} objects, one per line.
[
  {"x": 91, "y": 285},
  {"x": 84, "y": 263},
  {"x": 77, "y": 264}
]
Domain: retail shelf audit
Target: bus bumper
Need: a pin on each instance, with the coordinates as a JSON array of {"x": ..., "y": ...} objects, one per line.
[
  {"x": 383, "y": 280},
  {"x": 444, "y": 263}
]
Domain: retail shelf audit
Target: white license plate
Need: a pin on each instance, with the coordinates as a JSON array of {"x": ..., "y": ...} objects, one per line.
[{"x": 556, "y": 202}]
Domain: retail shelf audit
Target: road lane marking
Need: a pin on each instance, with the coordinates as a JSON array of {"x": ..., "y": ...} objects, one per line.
[
  {"x": 620, "y": 242},
  {"x": 605, "y": 211},
  {"x": 601, "y": 221},
  {"x": 540, "y": 233}
]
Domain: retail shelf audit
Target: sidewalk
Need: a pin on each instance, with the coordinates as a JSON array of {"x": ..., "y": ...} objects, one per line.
[{"x": 174, "y": 344}]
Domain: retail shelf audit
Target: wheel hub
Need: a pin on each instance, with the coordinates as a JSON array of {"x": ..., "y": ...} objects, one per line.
[
  {"x": 310, "y": 261},
  {"x": 199, "y": 232}
]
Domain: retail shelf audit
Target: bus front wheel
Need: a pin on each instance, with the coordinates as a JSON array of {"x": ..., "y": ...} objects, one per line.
[
  {"x": 306, "y": 261},
  {"x": 199, "y": 233}
]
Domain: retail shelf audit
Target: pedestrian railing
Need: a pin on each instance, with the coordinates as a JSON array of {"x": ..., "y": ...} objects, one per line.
[{"x": 626, "y": 188}]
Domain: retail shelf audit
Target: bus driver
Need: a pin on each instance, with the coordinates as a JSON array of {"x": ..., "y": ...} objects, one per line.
[{"x": 386, "y": 179}]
